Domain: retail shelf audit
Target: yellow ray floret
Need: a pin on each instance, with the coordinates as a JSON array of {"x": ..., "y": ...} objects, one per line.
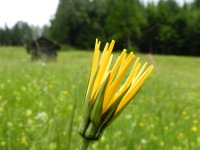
[
  {"x": 114, "y": 89},
  {"x": 110, "y": 88},
  {"x": 95, "y": 62},
  {"x": 134, "y": 88},
  {"x": 103, "y": 65}
]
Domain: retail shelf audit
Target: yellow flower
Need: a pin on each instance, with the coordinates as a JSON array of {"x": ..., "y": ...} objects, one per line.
[
  {"x": 53, "y": 146},
  {"x": 141, "y": 124},
  {"x": 50, "y": 86},
  {"x": 106, "y": 95},
  {"x": 166, "y": 128},
  {"x": 23, "y": 140},
  {"x": 184, "y": 113},
  {"x": 65, "y": 92},
  {"x": 194, "y": 129},
  {"x": 195, "y": 121},
  {"x": 28, "y": 112},
  {"x": 180, "y": 136}
]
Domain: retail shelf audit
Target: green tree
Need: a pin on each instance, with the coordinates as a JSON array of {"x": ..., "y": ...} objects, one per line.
[
  {"x": 192, "y": 32},
  {"x": 149, "y": 41},
  {"x": 167, "y": 36},
  {"x": 124, "y": 21},
  {"x": 59, "y": 28},
  {"x": 78, "y": 22},
  {"x": 166, "y": 27},
  {"x": 196, "y": 3},
  {"x": 21, "y": 33},
  {"x": 5, "y": 36}
]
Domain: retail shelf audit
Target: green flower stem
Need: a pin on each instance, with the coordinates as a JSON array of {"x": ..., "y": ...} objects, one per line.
[
  {"x": 85, "y": 144},
  {"x": 70, "y": 129}
]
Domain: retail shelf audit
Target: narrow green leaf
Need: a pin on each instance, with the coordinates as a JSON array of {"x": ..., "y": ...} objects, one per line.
[
  {"x": 97, "y": 107},
  {"x": 120, "y": 111},
  {"x": 88, "y": 96},
  {"x": 108, "y": 116}
]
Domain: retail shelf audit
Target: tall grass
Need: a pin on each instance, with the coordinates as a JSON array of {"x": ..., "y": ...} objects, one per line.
[{"x": 36, "y": 101}]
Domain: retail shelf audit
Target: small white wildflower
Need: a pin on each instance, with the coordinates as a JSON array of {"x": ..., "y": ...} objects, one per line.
[
  {"x": 128, "y": 116},
  {"x": 45, "y": 89},
  {"x": 133, "y": 124},
  {"x": 42, "y": 116},
  {"x": 143, "y": 141},
  {"x": 43, "y": 64}
]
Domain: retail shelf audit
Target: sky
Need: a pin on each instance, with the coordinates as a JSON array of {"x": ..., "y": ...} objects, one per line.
[
  {"x": 35, "y": 12},
  {"x": 181, "y": 2}
]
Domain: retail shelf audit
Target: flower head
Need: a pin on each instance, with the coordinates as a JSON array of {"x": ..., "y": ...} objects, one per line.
[{"x": 109, "y": 91}]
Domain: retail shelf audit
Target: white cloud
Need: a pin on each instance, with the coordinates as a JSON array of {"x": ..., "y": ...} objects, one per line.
[
  {"x": 37, "y": 12},
  {"x": 181, "y": 2}
]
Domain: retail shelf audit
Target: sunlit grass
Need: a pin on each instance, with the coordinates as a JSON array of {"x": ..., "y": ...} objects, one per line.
[{"x": 36, "y": 100}]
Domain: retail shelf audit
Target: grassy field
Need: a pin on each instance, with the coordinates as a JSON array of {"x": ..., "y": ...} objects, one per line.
[{"x": 36, "y": 101}]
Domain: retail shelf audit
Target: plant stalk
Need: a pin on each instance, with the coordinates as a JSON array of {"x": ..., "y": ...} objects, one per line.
[
  {"x": 70, "y": 129},
  {"x": 85, "y": 144}
]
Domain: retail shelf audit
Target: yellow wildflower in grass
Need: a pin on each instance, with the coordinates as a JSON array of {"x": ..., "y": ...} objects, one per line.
[
  {"x": 194, "y": 128},
  {"x": 53, "y": 146},
  {"x": 141, "y": 124},
  {"x": 28, "y": 112},
  {"x": 195, "y": 121},
  {"x": 65, "y": 92},
  {"x": 166, "y": 128},
  {"x": 50, "y": 86},
  {"x": 184, "y": 113},
  {"x": 23, "y": 140},
  {"x": 106, "y": 96},
  {"x": 180, "y": 136}
]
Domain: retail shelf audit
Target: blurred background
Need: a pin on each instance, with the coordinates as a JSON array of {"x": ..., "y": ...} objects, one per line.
[
  {"x": 41, "y": 101},
  {"x": 161, "y": 27}
]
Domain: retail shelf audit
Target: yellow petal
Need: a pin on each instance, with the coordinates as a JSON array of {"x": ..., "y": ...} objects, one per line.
[
  {"x": 140, "y": 72},
  {"x": 107, "y": 73},
  {"x": 133, "y": 89},
  {"x": 95, "y": 62},
  {"x": 117, "y": 63},
  {"x": 104, "y": 53},
  {"x": 108, "y": 67},
  {"x": 108, "y": 99},
  {"x": 123, "y": 70},
  {"x": 127, "y": 83},
  {"x": 114, "y": 70},
  {"x": 102, "y": 69}
]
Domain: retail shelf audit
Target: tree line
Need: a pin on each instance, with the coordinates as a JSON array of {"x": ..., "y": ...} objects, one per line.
[
  {"x": 18, "y": 35},
  {"x": 163, "y": 28}
]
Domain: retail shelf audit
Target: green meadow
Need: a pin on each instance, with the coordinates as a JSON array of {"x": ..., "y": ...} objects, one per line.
[{"x": 37, "y": 101}]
